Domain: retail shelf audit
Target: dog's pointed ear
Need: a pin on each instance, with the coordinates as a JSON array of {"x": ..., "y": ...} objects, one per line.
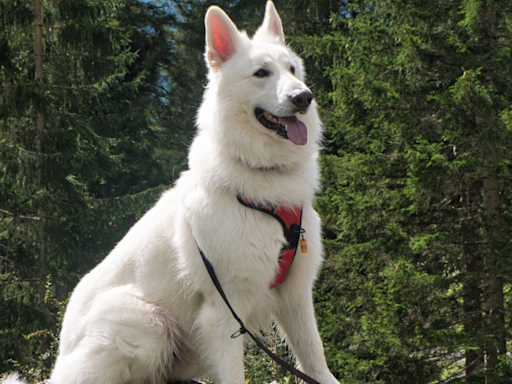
[
  {"x": 272, "y": 28},
  {"x": 221, "y": 37}
]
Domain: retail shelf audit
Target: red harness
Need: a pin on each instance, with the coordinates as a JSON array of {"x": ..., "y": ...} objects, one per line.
[{"x": 291, "y": 221}]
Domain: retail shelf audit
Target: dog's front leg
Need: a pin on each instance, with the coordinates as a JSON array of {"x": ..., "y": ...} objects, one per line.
[
  {"x": 296, "y": 320},
  {"x": 224, "y": 355}
]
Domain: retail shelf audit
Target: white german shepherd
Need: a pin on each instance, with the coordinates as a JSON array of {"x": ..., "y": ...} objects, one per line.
[{"x": 149, "y": 313}]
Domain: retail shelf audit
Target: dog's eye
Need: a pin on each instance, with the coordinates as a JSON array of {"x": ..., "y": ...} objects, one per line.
[
  {"x": 292, "y": 70},
  {"x": 262, "y": 73}
]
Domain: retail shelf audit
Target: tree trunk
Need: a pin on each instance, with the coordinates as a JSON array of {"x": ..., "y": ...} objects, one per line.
[
  {"x": 472, "y": 285},
  {"x": 493, "y": 286},
  {"x": 472, "y": 307},
  {"x": 40, "y": 128}
]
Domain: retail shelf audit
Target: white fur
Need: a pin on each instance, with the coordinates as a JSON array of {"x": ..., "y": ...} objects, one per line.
[{"x": 149, "y": 312}]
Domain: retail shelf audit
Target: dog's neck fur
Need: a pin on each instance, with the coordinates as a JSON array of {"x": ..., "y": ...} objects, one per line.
[
  {"x": 277, "y": 167},
  {"x": 290, "y": 184}
]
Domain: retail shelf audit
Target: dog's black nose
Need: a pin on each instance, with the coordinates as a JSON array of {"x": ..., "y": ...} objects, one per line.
[{"x": 302, "y": 99}]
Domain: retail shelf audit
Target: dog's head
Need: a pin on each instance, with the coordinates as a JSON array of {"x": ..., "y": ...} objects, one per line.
[{"x": 257, "y": 88}]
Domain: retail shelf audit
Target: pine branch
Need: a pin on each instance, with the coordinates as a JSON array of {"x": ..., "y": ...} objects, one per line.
[{"x": 46, "y": 155}]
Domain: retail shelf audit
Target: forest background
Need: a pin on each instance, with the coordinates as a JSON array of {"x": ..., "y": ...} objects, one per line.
[{"x": 97, "y": 103}]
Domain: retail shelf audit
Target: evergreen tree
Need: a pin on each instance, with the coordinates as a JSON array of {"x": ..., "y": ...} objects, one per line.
[
  {"x": 416, "y": 197},
  {"x": 86, "y": 146}
]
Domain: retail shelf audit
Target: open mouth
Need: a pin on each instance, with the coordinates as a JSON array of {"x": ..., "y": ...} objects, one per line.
[{"x": 288, "y": 127}]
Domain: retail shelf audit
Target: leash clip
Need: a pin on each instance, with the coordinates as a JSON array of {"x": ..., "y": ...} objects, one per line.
[{"x": 238, "y": 333}]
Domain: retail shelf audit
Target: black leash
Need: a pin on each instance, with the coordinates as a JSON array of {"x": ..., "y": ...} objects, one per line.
[{"x": 242, "y": 330}]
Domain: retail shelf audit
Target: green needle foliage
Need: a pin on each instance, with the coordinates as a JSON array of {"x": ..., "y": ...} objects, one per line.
[
  {"x": 416, "y": 200},
  {"x": 416, "y": 193},
  {"x": 71, "y": 189}
]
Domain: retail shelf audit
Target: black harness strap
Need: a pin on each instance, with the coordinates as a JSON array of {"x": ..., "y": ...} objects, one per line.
[
  {"x": 242, "y": 330},
  {"x": 291, "y": 234}
]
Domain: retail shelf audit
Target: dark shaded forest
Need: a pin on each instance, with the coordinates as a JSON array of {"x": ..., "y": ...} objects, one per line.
[{"x": 97, "y": 108}]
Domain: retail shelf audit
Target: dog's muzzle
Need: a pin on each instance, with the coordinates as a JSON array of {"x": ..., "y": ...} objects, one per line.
[{"x": 289, "y": 127}]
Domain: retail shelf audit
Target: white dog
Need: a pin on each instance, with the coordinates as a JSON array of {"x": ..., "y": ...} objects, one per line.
[{"x": 149, "y": 313}]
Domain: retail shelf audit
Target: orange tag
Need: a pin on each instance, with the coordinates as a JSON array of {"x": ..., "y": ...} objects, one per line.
[{"x": 303, "y": 245}]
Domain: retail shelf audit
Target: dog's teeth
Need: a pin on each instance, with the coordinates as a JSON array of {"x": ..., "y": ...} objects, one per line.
[
  {"x": 271, "y": 117},
  {"x": 286, "y": 128}
]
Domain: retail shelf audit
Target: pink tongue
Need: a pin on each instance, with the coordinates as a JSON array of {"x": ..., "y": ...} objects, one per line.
[{"x": 297, "y": 131}]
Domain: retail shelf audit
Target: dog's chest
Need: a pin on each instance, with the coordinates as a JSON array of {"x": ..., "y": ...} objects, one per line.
[{"x": 242, "y": 242}]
